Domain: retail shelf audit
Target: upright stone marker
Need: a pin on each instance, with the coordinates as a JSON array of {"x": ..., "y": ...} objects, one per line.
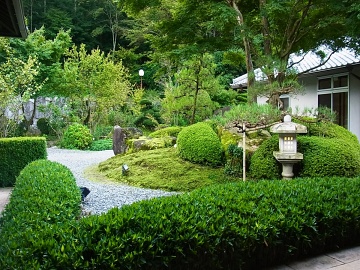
[{"x": 119, "y": 141}]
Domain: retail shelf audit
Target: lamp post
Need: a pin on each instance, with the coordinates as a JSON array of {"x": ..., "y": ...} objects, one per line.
[{"x": 141, "y": 74}]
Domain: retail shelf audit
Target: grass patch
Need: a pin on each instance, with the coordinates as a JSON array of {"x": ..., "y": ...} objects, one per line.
[{"x": 162, "y": 169}]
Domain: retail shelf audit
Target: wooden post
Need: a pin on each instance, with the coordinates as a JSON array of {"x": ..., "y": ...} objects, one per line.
[{"x": 244, "y": 152}]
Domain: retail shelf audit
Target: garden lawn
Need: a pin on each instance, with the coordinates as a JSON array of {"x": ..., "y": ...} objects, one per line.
[{"x": 162, "y": 169}]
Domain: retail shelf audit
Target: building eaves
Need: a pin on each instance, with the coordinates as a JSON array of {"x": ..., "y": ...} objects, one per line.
[{"x": 12, "y": 22}]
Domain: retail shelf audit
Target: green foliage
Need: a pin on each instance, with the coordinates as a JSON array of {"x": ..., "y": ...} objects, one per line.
[
  {"x": 95, "y": 84},
  {"x": 328, "y": 157},
  {"x": 322, "y": 156},
  {"x": 17, "y": 84},
  {"x": 234, "y": 163},
  {"x": 44, "y": 198},
  {"x": 43, "y": 126},
  {"x": 168, "y": 131},
  {"x": 16, "y": 153},
  {"x": 199, "y": 143},
  {"x": 227, "y": 138},
  {"x": 149, "y": 116},
  {"x": 190, "y": 96},
  {"x": 263, "y": 164},
  {"x": 103, "y": 132},
  {"x": 252, "y": 114},
  {"x": 230, "y": 97},
  {"x": 100, "y": 145},
  {"x": 248, "y": 225},
  {"x": 76, "y": 136}
]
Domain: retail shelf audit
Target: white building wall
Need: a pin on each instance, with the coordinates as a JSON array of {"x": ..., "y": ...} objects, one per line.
[
  {"x": 309, "y": 98},
  {"x": 354, "y": 102}
]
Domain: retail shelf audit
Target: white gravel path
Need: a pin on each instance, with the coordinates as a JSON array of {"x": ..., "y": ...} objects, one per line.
[{"x": 103, "y": 196}]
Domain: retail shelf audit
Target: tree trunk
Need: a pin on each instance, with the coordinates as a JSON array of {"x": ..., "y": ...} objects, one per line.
[{"x": 247, "y": 47}]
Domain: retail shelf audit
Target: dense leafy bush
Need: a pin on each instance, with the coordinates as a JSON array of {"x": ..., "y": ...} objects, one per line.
[
  {"x": 168, "y": 131},
  {"x": 247, "y": 225},
  {"x": 198, "y": 143},
  {"x": 76, "y": 136},
  {"x": 234, "y": 163},
  {"x": 101, "y": 145},
  {"x": 103, "y": 132},
  {"x": 44, "y": 126},
  {"x": 328, "y": 157},
  {"x": 330, "y": 130},
  {"x": 334, "y": 152},
  {"x": 16, "y": 153},
  {"x": 263, "y": 164},
  {"x": 45, "y": 197},
  {"x": 150, "y": 116}
]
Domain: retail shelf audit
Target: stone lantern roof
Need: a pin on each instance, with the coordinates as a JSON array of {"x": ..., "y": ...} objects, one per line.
[{"x": 288, "y": 127}]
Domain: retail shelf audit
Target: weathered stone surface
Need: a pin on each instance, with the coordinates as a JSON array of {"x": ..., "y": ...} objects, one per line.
[
  {"x": 119, "y": 141},
  {"x": 121, "y": 137},
  {"x": 146, "y": 143}
]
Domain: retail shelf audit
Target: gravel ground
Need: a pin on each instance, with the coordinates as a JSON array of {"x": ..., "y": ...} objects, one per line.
[{"x": 103, "y": 196}]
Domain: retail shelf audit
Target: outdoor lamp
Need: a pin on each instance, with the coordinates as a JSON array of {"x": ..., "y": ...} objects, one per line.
[
  {"x": 125, "y": 169},
  {"x": 141, "y": 74}
]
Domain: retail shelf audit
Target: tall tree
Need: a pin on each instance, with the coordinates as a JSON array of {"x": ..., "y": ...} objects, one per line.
[
  {"x": 270, "y": 30},
  {"x": 94, "y": 84},
  {"x": 190, "y": 96},
  {"x": 17, "y": 84}
]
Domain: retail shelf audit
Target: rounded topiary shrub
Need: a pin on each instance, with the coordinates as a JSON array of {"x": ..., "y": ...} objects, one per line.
[
  {"x": 76, "y": 136},
  {"x": 263, "y": 164},
  {"x": 328, "y": 157},
  {"x": 199, "y": 143}
]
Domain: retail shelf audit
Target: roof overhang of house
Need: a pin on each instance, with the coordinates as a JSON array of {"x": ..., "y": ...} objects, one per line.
[
  {"x": 308, "y": 64},
  {"x": 12, "y": 22}
]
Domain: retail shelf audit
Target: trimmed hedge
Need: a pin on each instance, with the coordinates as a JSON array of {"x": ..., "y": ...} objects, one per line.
[
  {"x": 199, "y": 143},
  {"x": 45, "y": 196},
  {"x": 247, "y": 225},
  {"x": 16, "y": 153},
  {"x": 263, "y": 164},
  {"x": 328, "y": 157},
  {"x": 322, "y": 157}
]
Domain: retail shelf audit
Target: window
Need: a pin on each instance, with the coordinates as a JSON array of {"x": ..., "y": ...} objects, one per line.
[
  {"x": 286, "y": 103},
  {"x": 333, "y": 94}
]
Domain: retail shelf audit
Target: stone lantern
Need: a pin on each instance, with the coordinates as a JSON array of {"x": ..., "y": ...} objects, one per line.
[{"x": 287, "y": 154}]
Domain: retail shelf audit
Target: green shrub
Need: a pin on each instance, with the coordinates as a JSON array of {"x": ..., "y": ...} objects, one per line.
[
  {"x": 168, "y": 131},
  {"x": 101, "y": 145},
  {"x": 247, "y": 225},
  {"x": 45, "y": 198},
  {"x": 328, "y": 157},
  {"x": 263, "y": 164},
  {"x": 321, "y": 157},
  {"x": 43, "y": 126},
  {"x": 234, "y": 163},
  {"x": 76, "y": 136},
  {"x": 103, "y": 132},
  {"x": 16, "y": 153},
  {"x": 150, "y": 115},
  {"x": 198, "y": 143}
]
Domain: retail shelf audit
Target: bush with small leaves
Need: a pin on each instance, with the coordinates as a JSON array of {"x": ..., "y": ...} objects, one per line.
[
  {"x": 199, "y": 143},
  {"x": 263, "y": 164},
  {"x": 76, "y": 136}
]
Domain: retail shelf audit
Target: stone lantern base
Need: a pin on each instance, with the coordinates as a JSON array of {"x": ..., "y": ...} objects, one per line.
[{"x": 288, "y": 160}]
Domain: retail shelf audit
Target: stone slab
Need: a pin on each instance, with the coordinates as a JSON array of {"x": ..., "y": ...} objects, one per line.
[{"x": 317, "y": 263}]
